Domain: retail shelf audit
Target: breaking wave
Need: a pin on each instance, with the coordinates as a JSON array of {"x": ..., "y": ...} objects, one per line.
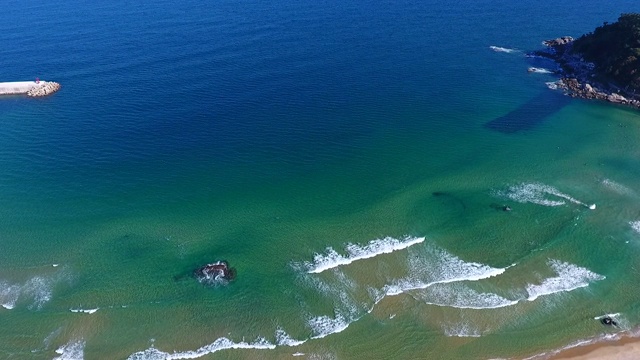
[
  {"x": 283, "y": 339},
  {"x": 325, "y": 325},
  {"x": 86, "y": 311},
  {"x": 614, "y": 316},
  {"x": 635, "y": 225},
  {"x": 73, "y": 350},
  {"x": 9, "y": 295},
  {"x": 446, "y": 268},
  {"x": 462, "y": 297},
  {"x": 220, "y": 344},
  {"x": 570, "y": 277},
  {"x": 502, "y": 49},
  {"x": 38, "y": 291},
  {"x": 553, "y": 85},
  {"x": 540, "y": 194},
  {"x": 331, "y": 259},
  {"x": 540, "y": 70}
]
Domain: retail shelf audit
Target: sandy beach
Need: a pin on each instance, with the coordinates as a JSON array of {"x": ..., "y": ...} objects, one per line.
[{"x": 627, "y": 348}]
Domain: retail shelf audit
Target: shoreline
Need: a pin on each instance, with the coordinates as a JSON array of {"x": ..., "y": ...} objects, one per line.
[
  {"x": 579, "y": 78},
  {"x": 627, "y": 346},
  {"x": 616, "y": 346}
]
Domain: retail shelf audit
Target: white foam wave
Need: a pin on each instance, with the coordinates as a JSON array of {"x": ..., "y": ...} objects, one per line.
[
  {"x": 635, "y": 225},
  {"x": 86, "y": 311},
  {"x": 613, "y": 316},
  {"x": 553, "y": 85},
  {"x": 297, "y": 354},
  {"x": 39, "y": 289},
  {"x": 540, "y": 70},
  {"x": 502, "y": 49},
  {"x": 283, "y": 339},
  {"x": 220, "y": 344},
  {"x": 331, "y": 259},
  {"x": 73, "y": 350},
  {"x": 463, "y": 297},
  {"x": 570, "y": 277},
  {"x": 537, "y": 193},
  {"x": 9, "y": 295},
  {"x": 461, "y": 330},
  {"x": 324, "y": 325},
  {"x": 617, "y": 187},
  {"x": 446, "y": 269}
]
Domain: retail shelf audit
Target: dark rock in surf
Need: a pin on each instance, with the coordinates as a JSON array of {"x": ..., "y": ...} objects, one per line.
[
  {"x": 218, "y": 271},
  {"x": 608, "y": 321},
  {"x": 502, "y": 207}
]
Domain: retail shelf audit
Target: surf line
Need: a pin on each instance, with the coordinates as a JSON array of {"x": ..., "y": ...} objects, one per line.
[
  {"x": 331, "y": 259},
  {"x": 575, "y": 201}
]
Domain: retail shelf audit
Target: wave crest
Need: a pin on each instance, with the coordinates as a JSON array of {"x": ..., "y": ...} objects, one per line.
[
  {"x": 570, "y": 277},
  {"x": 331, "y": 259}
]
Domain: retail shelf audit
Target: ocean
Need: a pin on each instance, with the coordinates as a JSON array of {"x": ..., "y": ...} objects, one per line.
[{"x": 352, "y": 161}]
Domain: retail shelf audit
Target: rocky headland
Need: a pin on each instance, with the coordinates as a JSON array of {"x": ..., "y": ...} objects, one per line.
[{"x": 600, "y": 65}]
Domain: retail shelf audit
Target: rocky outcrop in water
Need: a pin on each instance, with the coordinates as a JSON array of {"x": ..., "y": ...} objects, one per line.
[
  {"x": 215, "y": 272},
  {"x": 44, "y": 88},
  {"x": 580, "y": 78},
  {"x": 611, "y": 75}
]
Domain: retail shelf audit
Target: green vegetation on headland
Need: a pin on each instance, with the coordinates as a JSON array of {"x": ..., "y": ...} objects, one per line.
[
  {"x": 602, "y": 65},
  {"x": 615, "y": 50}
]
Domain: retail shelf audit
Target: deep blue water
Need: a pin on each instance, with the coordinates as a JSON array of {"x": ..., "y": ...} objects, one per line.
[{"x": 250, "y": 128}]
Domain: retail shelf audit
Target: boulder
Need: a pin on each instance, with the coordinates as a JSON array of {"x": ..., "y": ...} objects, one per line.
[
  {"x": 218, "y": 271},
  {"x": 616, "y": 98},
  {"x": 559, "y": 41}
]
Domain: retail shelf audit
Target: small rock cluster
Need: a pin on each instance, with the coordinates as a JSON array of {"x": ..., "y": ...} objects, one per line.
[
  {"x": 559, "y": 41},
  {"x": 584, "y": 90},
  {"x": 43, "y": 89}
]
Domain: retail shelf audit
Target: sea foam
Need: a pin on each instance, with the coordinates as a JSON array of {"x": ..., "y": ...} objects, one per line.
[
  {"x": 332, "y": 259},
  {"x": 461, "y": 330},
  {"x": 220, "y": 344},
  {"x": 570, "y": 277},
  {"x": 540, "y": 70},
  {"x": 73, "y": 350},
  {"x": 445, "y": 268},
  {"x": 86, "y": 311},
  {"x": 38, "y": 290},
  {"x": 9, "y": 294},
  {"x": 322, "y": 326},
  {"x": 502, "y": 49},
  {"x": 283, "y": 339},
  {"x": 540, "y": 194},
  {"x": 462, "y": 297},
  {"x": 617, "y": 187}
]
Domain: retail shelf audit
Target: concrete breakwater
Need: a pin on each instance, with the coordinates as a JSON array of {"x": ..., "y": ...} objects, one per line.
[{"x": 29, "y": 88}]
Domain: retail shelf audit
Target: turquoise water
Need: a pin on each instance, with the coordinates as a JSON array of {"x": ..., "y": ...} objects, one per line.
[{"x": 274, "y": 135}]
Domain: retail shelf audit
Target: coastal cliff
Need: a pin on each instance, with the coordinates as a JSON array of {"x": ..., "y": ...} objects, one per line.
[{"x": 604, "y": 64}]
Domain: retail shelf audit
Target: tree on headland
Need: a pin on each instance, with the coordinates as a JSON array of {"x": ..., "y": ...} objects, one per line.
[{"x": 614, "y": 48}]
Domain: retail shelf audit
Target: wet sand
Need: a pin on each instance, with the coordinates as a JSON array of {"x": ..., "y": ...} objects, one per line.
[{"x": 626, "y": 348}]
